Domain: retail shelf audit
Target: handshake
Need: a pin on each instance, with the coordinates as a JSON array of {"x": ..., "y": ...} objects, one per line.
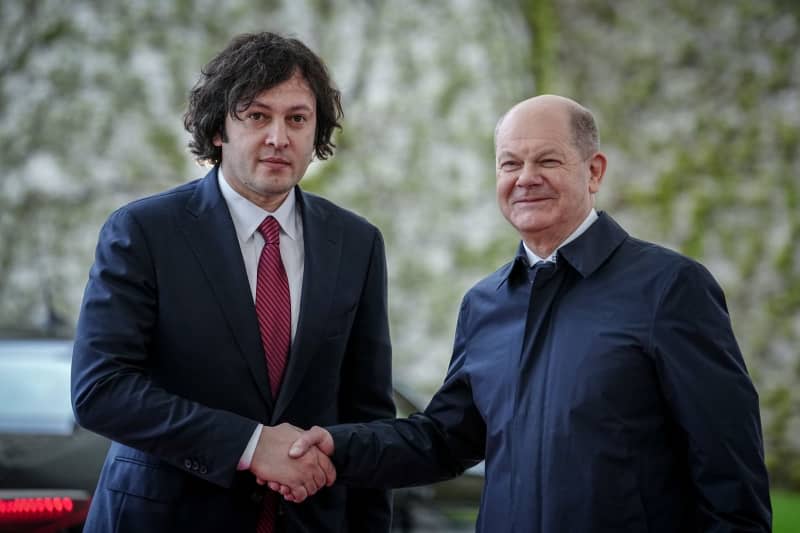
[{"x": 294, "y": 462}]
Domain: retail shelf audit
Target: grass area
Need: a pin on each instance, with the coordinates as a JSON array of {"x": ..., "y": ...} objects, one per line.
[{"x": 785, "y": 512}]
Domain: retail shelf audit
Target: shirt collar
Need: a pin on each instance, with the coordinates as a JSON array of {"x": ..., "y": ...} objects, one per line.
[
  {"x": 247, "y": 216},
  {"x": 588, "y": 221},
  {"x": 584, "y": 251}
]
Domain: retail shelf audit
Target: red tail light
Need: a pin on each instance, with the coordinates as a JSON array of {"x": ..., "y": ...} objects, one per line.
[
  {"x": 36, "y": 507},
  {"x": 42, "y": 511}
]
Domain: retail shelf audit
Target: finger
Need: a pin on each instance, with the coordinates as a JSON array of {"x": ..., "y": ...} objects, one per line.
[
  {"x": 299, "y": 493},
  {"x": 328, "y": 469},
  {"x": 286, "y": 492},
  {"x": 301, "y": 446},
  {"x": 316, "y": 436},
  {"x": 260, "y": 481},
  {"x": 273, "y": 485},
  {"x": 318, "y": 475},
  {"x": 325, "y": 441}
]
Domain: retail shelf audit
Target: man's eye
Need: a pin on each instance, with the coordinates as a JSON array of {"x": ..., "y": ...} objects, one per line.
[
  {"x": 509, "y": 165},
  {"x": 298, "y": 118},
  {"x": 550, "y": 163},
  {"x": 257, "y": 116}
]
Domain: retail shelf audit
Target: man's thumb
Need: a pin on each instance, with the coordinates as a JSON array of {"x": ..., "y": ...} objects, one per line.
[{"x": 315, "y": 436}]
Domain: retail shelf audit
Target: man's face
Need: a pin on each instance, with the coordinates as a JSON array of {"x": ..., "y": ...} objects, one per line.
[
  {"x": 544, "y": 184},
  {"x": 272, "y": 143}
]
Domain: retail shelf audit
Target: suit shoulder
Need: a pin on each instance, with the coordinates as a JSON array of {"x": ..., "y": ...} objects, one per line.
[
  {"x": 490, "y": 283},
  {"x": 158, "y": 205},
  {"x": 165, "y": 199},
  {"x": 666, "y": 263},
  {"x": 346, "y": 216}
]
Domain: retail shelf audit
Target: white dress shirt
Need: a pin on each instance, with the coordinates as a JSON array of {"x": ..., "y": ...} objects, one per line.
[
  {"x": 588, "y": 221},
  {"x": 246, "y": 217}
]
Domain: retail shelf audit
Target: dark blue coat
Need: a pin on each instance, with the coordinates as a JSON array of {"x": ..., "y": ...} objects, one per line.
[
  {"x": 607, "y": 396},
  {"x": 168, "y": 363}
]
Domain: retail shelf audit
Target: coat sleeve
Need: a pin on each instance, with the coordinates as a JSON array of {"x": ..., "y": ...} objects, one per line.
[
  {"x": 427, "y": 447},
  {"x": 113, "y": 391},
  {"x": 713, "y": 402}
]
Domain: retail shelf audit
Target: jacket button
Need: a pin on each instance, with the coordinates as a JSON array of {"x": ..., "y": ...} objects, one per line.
[
  {"x": 195, "y": 465},
  {"x": 188, "y": 464},
  {"x": 203, "y": 469}
]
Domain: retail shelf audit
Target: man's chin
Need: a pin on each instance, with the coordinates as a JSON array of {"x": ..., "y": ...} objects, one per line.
[{"x": 529, "y": 222}]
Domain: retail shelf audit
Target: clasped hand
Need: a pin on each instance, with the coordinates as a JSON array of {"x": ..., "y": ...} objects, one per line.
[{"x": 294, "y": 462}]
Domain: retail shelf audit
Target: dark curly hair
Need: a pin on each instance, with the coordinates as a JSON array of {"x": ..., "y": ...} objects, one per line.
[{"x": 251, "y": 64}]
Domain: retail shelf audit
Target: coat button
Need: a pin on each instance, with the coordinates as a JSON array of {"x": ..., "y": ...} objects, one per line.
[
  {"x": 195, "y": 465},
  {"x": 188, "y": 464},
  {"x": 203, "y": 469}
]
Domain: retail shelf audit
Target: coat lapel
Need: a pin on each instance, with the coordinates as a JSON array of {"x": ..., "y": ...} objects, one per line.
[
  {"x": 322, "y": 235},
  {"x": 209, "y": 230}
]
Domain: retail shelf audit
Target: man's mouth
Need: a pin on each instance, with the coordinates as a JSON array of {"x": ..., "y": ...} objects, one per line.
[
  {"x": 531, "y": 200},
  {"x": 274, "y": 161}
]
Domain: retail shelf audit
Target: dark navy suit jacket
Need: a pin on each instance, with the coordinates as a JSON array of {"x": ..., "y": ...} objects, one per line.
[
  {"x": 168, "y": 363},
  {"x": 607, "y": 396}
]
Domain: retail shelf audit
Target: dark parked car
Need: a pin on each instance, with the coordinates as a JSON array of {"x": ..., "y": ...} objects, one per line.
[{"x": 48, "y": 465}]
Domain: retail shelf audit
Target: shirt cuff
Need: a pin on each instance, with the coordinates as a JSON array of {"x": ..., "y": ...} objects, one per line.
[{"x": 247, "y": 456}]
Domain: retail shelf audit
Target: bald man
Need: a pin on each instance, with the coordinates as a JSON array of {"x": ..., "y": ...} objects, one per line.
[{"x": 596, "y": 373}]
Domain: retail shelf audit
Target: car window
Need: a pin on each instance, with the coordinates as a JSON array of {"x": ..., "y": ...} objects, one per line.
[{"x": 34, "y": 387}]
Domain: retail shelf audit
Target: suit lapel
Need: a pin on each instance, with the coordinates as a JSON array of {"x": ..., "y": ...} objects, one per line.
[
  {"x": 209, "y": 230},
  {"x": 322, "y": 235}
]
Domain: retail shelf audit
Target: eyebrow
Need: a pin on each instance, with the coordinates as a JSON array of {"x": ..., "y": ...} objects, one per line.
[
  {"x": 545, "y": 152},
  {"x": 292, "y": 109},
  {"x": 507, "y": 153}
]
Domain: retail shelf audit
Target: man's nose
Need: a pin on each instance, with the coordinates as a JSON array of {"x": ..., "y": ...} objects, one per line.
[
  {"x": 529, "y": 175},
  {"x": 277, "y": 135}
]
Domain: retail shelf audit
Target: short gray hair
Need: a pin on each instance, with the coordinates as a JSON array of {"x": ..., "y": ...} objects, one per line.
[{"x": 584, "y": 130}]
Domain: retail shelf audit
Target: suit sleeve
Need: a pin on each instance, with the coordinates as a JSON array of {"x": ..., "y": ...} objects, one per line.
[
  {"x": 713, "y": 401},
  {"x": 113, "y": 390},
  {"x": 438, "y": 444}
]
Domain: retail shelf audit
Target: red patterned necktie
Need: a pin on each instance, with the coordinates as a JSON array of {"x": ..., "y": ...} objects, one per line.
[{"x": 273, "y": 308}]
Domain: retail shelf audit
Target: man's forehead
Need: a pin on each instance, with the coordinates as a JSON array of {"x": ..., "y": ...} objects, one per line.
[
  {"x": 533, "y": 142},
  {"x": 295, "y": 87},
  {"x": 534, "y": 124}
]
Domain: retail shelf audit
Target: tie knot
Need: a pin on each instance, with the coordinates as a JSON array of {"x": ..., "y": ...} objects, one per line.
[
  {"x": 270, "y": 230},
  {"x": 542, "y": 270},
  {"x": 543, "y": 265}
]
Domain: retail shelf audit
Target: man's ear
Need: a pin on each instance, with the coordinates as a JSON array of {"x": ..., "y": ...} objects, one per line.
[{"x": 597, "y": 169}]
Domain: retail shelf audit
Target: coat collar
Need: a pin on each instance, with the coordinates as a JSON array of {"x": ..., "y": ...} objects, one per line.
[{"x": 585, "y": 254}]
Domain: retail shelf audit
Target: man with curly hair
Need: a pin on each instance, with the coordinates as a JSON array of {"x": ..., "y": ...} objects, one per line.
[{"x": 222, "y": 311}]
